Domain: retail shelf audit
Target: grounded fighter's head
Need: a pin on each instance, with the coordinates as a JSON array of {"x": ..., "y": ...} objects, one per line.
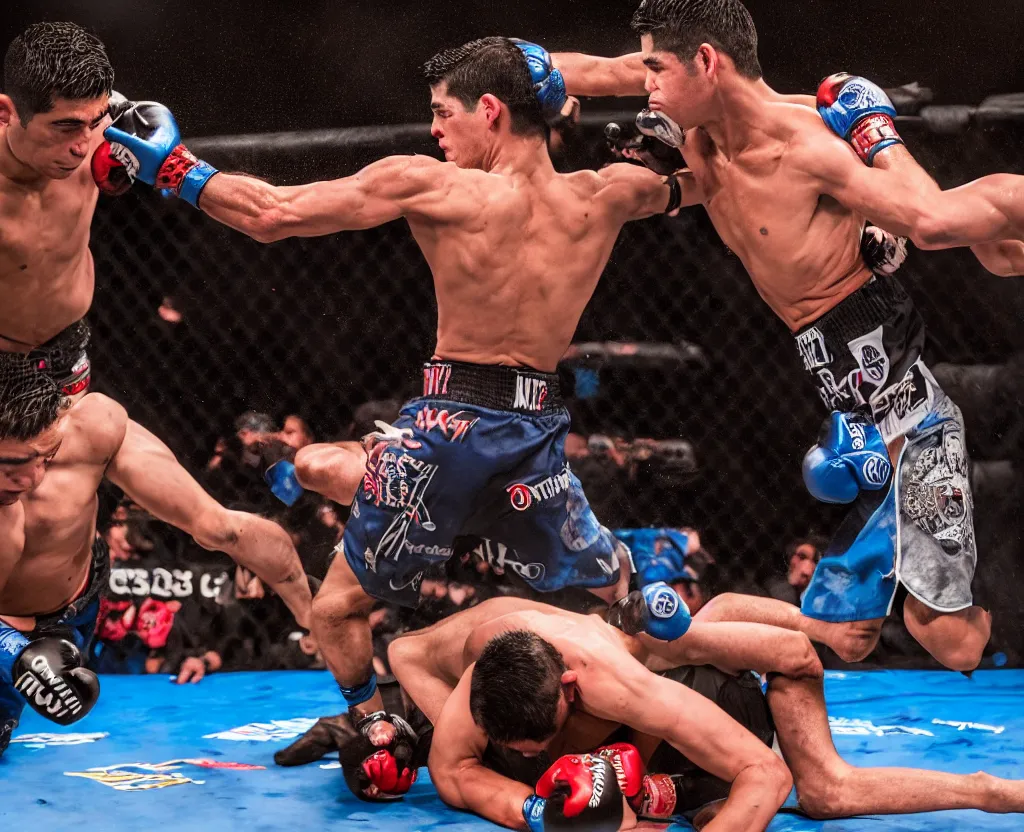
[
  {"x": 521, "y": 691},
  {"x": 31, "y": 427}
]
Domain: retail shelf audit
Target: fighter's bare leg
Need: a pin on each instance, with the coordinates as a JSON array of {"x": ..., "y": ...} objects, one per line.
[
  {"x": 829, "y": 787},
  {"x": 341, "y": 624},
  {"x": 333, "y": 470},
  {"x": 851, "y": 640},
  {"x": 956, "y": 639}
]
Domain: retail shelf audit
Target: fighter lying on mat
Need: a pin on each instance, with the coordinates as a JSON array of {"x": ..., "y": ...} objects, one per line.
[
  {"x": 52, "y": 564},
  {"x": 546, "y": 681}
]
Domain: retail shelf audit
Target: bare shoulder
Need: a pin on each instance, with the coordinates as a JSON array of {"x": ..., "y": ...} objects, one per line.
[
  {"x": 585, "y": 183},
  {"x": 97, "y": 426},
  {"x": 812, "y": 147}
]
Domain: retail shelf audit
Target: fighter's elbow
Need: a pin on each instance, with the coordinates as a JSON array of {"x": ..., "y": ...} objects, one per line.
[
  {"x": 771, "y": 777},
  {"x": 931, "y": 230},
  {"x": 268, "y": 225}
]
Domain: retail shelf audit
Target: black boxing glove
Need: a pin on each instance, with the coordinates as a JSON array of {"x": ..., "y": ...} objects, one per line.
[
  {"x": 377, "y": 773},
  {"x": 883, "y": 252},
  {"x": 48, "y": 673},
  {"x": 628, "y": 143},
  {"x": 580, "y": 791}
]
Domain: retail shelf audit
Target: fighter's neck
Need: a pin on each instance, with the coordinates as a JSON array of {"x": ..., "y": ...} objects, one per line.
[
  {"x": 16, "y": 171},
  {"x": 742, "y": 114},
  {"x": 518, "y": 156}
]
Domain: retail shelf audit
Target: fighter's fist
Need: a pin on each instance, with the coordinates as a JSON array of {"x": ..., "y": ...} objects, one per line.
[
  {"x": 49, "y": 674},
  {"x": 548, "y": 83},
  {"x": 581, "y": 792},
  {"x": 859, "y": 112},
  {"x": 145, "y": 139},
  {"x": 649, "y": 141},
  {"x": 629, "y": 771},
  {"x": 109, "y": 174},
  {"x": 850, "y": 457}
]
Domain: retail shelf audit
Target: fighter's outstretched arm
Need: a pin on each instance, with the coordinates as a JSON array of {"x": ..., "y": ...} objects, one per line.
[
  {"x": 148, "y": 472},
  {"x": 1003, "y": 257},
  {"x": 381, "y": 192},
  {"x": 457, "y": 769},
  {"x": 619, "y": 688},
  {"x": 596, "y": 76},
  {"x": 987, "y": 210}
]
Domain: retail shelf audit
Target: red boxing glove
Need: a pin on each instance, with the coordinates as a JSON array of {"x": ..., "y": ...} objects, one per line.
[
  {"x": 154, "y": 622},
  {"x": 386, "y": 781},
  {"x": 110, "y": 176},
  {"x": 629, "y": 770}
]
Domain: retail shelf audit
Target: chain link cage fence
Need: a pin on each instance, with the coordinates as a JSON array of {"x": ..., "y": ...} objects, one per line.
[{"x": 195, "y": 324}]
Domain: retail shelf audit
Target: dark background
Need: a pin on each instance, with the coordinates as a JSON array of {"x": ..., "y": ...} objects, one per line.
[{"x": 229, "y": 66}]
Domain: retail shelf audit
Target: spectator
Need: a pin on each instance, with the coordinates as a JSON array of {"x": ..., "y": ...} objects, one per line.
[
  {"x": 802, "y": 556},
  {"x": 296, "y": 432}
]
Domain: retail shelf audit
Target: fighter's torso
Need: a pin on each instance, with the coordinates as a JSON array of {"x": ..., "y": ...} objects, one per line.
[
  {"x": 46, "y": 269},
  {"x": 46, "y": 537},
  {"x": 800, "y": 247},
  {"x": 512, "y": 279}
]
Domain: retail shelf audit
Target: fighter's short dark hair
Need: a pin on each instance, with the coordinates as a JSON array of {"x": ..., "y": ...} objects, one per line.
[
  {"x": 490, "y": 65},
  {"x": 681, "y": 26},
  {"x": 55, "y": 60},
  {"x": 515, "y": 689},
  {"x": 30, "y": 401}
]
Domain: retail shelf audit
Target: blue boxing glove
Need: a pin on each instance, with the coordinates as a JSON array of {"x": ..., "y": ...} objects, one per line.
[
  {"x": 548, "y": 83},
  {"x": 145, "y": 139},
  {"x": 850, "y": 456},
  {"x": 283, "y": 483},
  {"x": 533, "y": 813},
  {"x": 858, "y": 112},
  {"x": 656, "y": 610}
]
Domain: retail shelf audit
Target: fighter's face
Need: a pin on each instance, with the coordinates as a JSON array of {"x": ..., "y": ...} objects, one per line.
[
  {"x": 676, "y": 88},
  {"x": 55, "y": 143},
  {"x": 531, "y": 748},
  {"x": 461, "y": 134},
  {"x": 24, "y": 462}
]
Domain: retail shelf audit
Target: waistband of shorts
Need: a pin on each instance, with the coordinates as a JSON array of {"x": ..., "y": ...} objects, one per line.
[
  {"x": 520, "y": 389},
  {"x": 99, "y": 574},
  {"x": 872, "y": 305},
  {"x": 64, "y": 358}
]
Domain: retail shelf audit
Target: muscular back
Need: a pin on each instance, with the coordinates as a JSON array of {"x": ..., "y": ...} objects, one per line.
[
  {"x": 800, "y": 247},
  {"x": 516, "y": 261},
  {"x": 46, "y": 269}
]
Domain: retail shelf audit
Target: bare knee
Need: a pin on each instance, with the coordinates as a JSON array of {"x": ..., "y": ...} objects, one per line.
[
  {"x": 856, "y": 640},
  {"x": 333, "y": 606},
  {"x": 963, "y": 657},
  {"x": 716, "y": 609},
  {"x": 309, "y": 466}
]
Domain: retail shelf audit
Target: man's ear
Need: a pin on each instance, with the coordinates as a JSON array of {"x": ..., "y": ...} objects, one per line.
[
  {"x": 7, "y": 111},
  {"x": 491, "y": 106},
  {"x": 568, "y": 680}
]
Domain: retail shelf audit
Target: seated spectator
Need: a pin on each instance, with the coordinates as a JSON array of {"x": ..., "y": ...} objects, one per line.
[{"x": 802, "y": 556}]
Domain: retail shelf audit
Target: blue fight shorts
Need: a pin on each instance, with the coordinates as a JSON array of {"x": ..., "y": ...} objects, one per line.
[
  {"x": 76, "y": 622},
  {"x": 481, "y": 453},
  {"x": 865, "y": 356}
]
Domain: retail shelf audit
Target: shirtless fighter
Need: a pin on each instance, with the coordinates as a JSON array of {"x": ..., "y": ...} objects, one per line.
[
  {"x": 516, "y": 250},
  {"x": 546, "y": 681},
  {"x": 52, "y": 563},
  {"x": 789, "y": 197},
  {"x": 57, "y": 85}
]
